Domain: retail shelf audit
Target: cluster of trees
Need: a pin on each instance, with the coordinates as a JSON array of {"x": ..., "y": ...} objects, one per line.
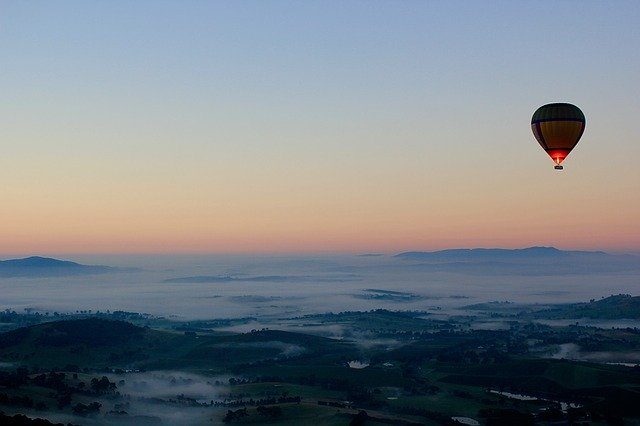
[
  {"x": 262, "y": 401},
  {"x": 53, "y": 380},
  {"x": 366, "y": 398},
  {"x": 436, "y": 416},
  {"x": 57, "y": 382},
  {"x": 20, "y": 401},
  {"x": 102, "y": 385},
  {"x": 329, "y": 383},
  {"x": 84, "y": 410},
  {"x": 509, "y": 416},
  {"x": 233, "y": 381},
  {"x": 14, "y": 380},
  {"x": 359, "y": 419},
  {"x": 271, "y": 412},
  {"x": 9, "y": 316},
  {"x": 235, "y": 415}
]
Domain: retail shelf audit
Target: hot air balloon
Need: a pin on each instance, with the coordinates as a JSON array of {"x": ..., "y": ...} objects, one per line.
[{"x": 558, "y": 128}]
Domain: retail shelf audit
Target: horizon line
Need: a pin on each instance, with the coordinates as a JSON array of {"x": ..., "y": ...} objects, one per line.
[{"x": 13, "y": 255}]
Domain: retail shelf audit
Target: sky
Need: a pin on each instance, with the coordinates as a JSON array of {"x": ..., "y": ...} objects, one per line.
[{"x": 314, "y": 126}]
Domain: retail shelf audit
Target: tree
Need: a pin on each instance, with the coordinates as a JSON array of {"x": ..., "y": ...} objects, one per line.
[{"x": 359, "y": 419}]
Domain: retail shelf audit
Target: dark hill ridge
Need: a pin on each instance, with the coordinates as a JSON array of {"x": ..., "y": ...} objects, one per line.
[
  {"x": 88, "y": 342},
  {"x": 101, "y": 343},
  {"x": 36, "y": 266},
  {"x": 92, "y": 331}
]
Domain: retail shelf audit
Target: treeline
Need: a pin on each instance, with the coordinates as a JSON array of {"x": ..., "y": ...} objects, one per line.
[
  {"x": 257, "y": 402},
  {"x": 58, "y": 383},
  {"x": 440, "y": 418},
  {"x": 31, "y": 317},
  {"x": 360, "y": 395},
  {"x": 273, "y": 412}
]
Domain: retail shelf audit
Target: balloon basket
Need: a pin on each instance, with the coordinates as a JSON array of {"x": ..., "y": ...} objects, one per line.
[{"x": 558, "y": 167}]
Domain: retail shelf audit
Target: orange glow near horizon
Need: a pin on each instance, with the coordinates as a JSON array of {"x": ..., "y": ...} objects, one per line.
[
  {"x": 389, "y": 203},
  {"x": 387, "y": 216}
]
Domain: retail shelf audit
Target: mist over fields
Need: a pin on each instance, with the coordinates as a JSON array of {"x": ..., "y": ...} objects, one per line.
[
  {"x": 403, "y": 338},
  {"x": 156, "y": 397},
  {"x": 200, "y": 287}
]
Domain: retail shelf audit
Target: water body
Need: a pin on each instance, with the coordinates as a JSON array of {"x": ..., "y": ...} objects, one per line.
[
  {"x": 466, "y": 421},
  {"x": 564, "y": 406},
  {"x": 284, "y": 286},
  {"x": 358, "y": 365}
]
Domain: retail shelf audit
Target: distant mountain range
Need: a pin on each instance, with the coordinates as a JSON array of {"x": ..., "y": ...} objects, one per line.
[
  {"x": 526, "y": 261},
  {"x": 36, "y": 266},
  {"x": 479, "y": 254}
]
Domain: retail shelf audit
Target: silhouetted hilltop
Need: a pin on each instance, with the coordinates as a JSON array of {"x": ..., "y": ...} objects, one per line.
[{"x": 36, "y": 266}]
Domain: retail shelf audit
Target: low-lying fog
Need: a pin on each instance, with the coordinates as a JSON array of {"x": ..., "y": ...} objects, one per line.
[
  {"x": 285, "y": 286},
  {"x": 157, "y": 397},
  {"x": 574, "y": 352}
]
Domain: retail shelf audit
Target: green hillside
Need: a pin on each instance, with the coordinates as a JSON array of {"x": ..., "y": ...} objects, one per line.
[
  {"x": 621, "y": 306},
  {"x": 99, "y": 343}
]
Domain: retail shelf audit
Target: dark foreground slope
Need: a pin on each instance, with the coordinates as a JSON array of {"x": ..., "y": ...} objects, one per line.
[
  {"x": 413, "y": 371},
  {"x": 22, "y": 420}
]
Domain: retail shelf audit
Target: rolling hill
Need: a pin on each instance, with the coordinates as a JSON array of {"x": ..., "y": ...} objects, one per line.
[
  {"x": 100, "y": 343},
  {"x": 621, "y": 306},
  {"x": 36, "y": 266}
]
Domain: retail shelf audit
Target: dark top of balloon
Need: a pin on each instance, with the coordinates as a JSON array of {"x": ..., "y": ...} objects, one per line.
[{"x": 558, "y": 112}]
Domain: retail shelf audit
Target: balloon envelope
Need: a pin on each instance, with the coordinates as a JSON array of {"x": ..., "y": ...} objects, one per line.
[{"x": 558, "y": 128}]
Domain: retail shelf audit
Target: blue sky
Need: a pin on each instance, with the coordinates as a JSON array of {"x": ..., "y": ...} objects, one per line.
[{"x": 316, "y": 126}]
